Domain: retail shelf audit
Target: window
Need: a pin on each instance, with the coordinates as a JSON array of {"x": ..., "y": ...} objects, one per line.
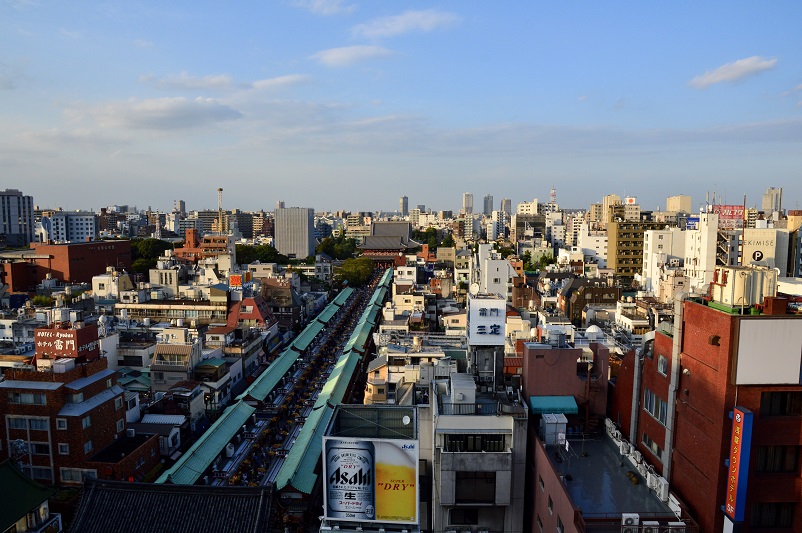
[
  {"x": 27, "y": 398},
  {"x": 76, "y": 397},
  {"x": 781, "y": 403},
  {"x": 653, "y": 447},
  {"x": 61, "y": 423},
  {"x": 475, "y": 487},
  {"x": 475, "y": 443},
  {"x": 140, "y": 462},
  {"x": 776, "y": 458},
  {"x": 38, "y": 472},
  {"x": 76, "y": 475},
  {"x": 39, "y": 448},
  {"x": 118, "y": 403},
  {"x": 86, "y": 422},
  {"x": 108, "y": 383},
  {"x": 87, "y": 446},
  {"x": 551, "y": 506},
  {"x": 560, "y": 527},
  {"x": 655, "y": 406},
  {"x": 120, "y": 425},
  {"x": 464, "y": 517},
  {"x": 662, "y": 364},
  {"x": 539, "y": 524},
  {"x": 772, "y": 514},
  {"x": 540, "y": 482},
  {"x": 63, "y": 449}
]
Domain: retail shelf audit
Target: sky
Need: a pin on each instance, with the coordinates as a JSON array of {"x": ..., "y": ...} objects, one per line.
[{"x": 339, "y": 104}]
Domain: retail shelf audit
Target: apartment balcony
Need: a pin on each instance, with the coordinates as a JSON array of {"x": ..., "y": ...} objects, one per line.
[{"x": 51, "y": 525}]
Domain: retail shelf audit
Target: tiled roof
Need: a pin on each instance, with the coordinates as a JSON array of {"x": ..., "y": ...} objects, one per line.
[
  {"x": 135, "y": 507},
  {"x": 27, "y": 494},
  {"x": 387, "y": 228}
]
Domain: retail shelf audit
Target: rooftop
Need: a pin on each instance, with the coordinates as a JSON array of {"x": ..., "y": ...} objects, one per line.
[{"x": 598, "y": 483}]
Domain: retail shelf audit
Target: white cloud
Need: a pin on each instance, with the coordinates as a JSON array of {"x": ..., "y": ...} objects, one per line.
[
  {"x": 281, "y": 81},
  {"x": 325, "y": 7},
  {"x": 348, "y": 55},
  {"x": 183, "y": 81},
  {"x": 734, "y": 71},
  {"x": 159, "y": 113},
  {"x": 427, "y": 20}
]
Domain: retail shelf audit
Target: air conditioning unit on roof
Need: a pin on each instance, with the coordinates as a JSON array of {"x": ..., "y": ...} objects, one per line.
[
  {"x": 630, "y": 522},
  {"x": 650, "y": 526},
  {"x": 674, "y": 527}
]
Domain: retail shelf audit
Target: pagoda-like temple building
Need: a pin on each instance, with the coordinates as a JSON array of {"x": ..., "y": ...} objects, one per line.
[{"x": 388, "y": 243}]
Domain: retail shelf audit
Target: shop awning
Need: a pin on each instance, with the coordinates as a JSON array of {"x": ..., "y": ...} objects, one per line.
[{"x": 553, "y": 404}]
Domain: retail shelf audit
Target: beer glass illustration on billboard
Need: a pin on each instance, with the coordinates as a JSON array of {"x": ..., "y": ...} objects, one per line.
[
  {"x": 396, "y": 481},
  {"x": 350, "y": 480}
]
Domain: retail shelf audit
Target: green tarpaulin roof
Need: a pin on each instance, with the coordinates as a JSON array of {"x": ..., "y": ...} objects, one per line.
[{"x": 553, "y": 404}]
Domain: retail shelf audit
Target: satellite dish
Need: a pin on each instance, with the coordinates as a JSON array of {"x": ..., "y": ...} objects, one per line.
[
  {"x": 406, "y": 420},
  {"x": 474, "y": 289}
]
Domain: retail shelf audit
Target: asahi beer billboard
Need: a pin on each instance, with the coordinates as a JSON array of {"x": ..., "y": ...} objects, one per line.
[{"x": 373, "y": 480}]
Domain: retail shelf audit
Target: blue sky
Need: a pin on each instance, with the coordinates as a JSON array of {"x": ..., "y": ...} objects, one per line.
[{"x": 349, "y": 105}]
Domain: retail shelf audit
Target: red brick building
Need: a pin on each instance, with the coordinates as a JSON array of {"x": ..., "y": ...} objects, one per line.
[
  {"x": 62, "y": 416},
  {"x": 72, "y": 263},
  {"x": 723, "y": 352}
]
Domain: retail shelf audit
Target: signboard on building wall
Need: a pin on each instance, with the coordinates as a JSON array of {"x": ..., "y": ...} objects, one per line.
[
  {"x": 487, "y": 321},
  {"x": 730, "y": 216},
  {"x": 371, "y": 480},
  {"x": 72, "y": 343},
  {"x": 738, "y": 472},
  {"x": 692, "y": 223}
]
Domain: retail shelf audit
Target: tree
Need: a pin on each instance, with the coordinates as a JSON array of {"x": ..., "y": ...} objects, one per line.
[
  {"x": 356, "y": 272},
  {"x": 448, "y": 241},
  {"x": 141, "y": 266},
  {"x": 337, "y": 247},
  {"x": 149, "y": 248}
]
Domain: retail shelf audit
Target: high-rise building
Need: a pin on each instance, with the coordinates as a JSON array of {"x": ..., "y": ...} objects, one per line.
[
  {"x": 506, "y": 206},
  {"x": 467, "y": 203},
  {"x": 773, "y": 200},
  {"x": 403, "y": 206},
  {"x": 607, "y": 202},
  {"x": 16, "y": 218},
  {"x": 295, "y": 232},
  {"x": 488, "y": 204}
]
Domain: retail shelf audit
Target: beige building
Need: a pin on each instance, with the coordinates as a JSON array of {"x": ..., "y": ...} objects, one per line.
[
  {"x": 625, "y": 242},
  {"x": 680, "y": 203}
]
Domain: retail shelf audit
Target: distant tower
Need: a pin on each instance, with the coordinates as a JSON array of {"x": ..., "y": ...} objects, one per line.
[
  {"x": 220, "y": 209},
  {"x": 506, "y": 206},
  {"x": 488, "y": 204},
  {"x": 772, "y": 200},
  {"x": 403, "y": 206},
  {"x": 553, "y": 195},
  {"x": 467, "y": 203},
  {"x": 280, "y": 204}
]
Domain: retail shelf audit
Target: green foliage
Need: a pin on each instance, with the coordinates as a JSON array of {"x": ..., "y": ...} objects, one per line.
[
  {"x": 337, "y": 247},
  {"x": 428, "y": 236},
  {"x": 448, "y": 241},
  {"x": 356, "y": 272},
  {"x": 41, "y": 300},
  {"x": 141, "y": 266},
  {"x": 149, "y": 248},
  {"x": 506, "y": 252},
  {"x": 264, "y": 253}
]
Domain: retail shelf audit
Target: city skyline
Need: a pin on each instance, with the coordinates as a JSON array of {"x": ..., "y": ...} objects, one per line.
[{"x": 150, "y": 103}]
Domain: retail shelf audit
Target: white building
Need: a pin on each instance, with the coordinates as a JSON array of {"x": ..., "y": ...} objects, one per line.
[
  {"x": 593, "y": 245},
  {"x": 63, "y": 226},
  {"x": 527, "y": 208},
  {"x": 661, "y": 249},
  {"x": 700, "y": 251}
]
